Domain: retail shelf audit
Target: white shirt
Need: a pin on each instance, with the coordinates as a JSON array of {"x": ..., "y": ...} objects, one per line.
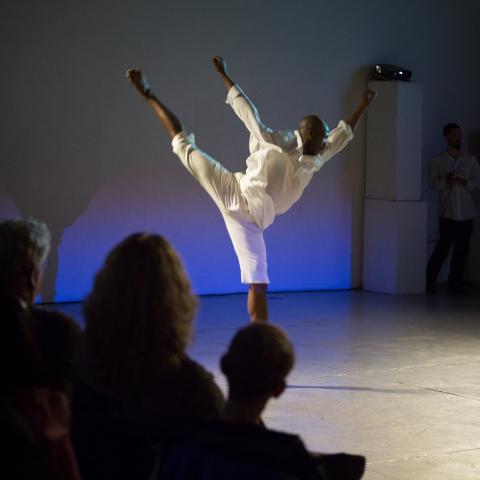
[
  {"x": 277, "y": 170},
  {"x": 456, "y": 199}
]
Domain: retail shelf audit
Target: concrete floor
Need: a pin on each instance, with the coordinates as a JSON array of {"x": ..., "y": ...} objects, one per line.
[{"x": 396, "y": 379}]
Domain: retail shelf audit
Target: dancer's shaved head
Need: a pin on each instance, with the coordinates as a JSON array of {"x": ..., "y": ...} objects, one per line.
[
  {"x": 310, "y": 121},
  {"x": 313, "y": 131}
]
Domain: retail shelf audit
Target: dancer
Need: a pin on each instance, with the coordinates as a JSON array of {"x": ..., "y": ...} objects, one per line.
[{"x": 280, "y": 166}]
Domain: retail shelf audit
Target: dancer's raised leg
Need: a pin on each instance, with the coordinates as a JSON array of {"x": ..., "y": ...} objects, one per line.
[
  {"x": 242, "y": 106},
  {"x": 219, "y": 182}
]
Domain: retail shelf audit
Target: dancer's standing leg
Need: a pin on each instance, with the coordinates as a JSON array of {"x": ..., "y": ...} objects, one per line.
[{"x": 257, "y": 293}]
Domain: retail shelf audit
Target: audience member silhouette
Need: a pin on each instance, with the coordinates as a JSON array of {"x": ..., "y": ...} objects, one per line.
[
  {"x": 24, "y": 248},
  {"x": 36, "y": 358},
  {"x": 238, "y": 445},
  {"x": 136, "y": 387},
  {"x": 140, "y": 387},
  {"x": 34, "y": 409}
]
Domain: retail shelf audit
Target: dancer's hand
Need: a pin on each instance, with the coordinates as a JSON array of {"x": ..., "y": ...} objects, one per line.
[
  {"x": 219, "y": 64},
  {"x": 138, "y": 79},
  {"x": 368, "y": 97}
]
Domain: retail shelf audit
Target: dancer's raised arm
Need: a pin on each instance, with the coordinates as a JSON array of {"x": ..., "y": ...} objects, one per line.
[
  {"x": 171, "y": 123},
  {"x": 367, "y": 98},
  {"x": 339, "y": 137}
]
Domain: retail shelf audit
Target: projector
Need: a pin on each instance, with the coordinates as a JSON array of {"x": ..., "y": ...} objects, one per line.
[{"x": 384, "y": 71}]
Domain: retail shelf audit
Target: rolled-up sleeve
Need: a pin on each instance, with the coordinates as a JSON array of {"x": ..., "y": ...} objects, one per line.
[
  {"x": 182, "y": 146},
  {"x": 337, "y": 140},
  {"x": 259, "y": 132},
  {"x": 233, "y": 93},
  {"x": 247, "y": 112}
]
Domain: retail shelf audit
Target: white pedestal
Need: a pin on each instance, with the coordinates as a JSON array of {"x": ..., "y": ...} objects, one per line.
[
  {"x": 395, "y": 246},
  {"x": 394, "y": 142}
]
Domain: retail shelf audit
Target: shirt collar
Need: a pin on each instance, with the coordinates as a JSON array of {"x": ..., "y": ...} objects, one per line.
[
  {"x": 300, "y": 146},
  {"x": 452, "y": 158},
  {"x": 299, "y": 139}
]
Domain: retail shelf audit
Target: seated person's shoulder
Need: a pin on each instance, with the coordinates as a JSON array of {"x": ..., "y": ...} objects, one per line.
[
  {"x": 257, "y": 436},
  {"x": 59, "y": 338},
  {"x": 197, "y": 383},
  {"x": 54, "y": 322},
  {"x": 189, "y": 368},
  {"x": 280, "y": 451},
  {"x": 178, "y": 401}
]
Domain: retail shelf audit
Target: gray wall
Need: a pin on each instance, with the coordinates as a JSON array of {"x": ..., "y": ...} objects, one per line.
[{"x": 80, "y": 150}]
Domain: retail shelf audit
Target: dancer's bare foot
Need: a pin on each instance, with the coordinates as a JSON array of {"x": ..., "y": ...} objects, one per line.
[
  {"x": 138, "y": 79},
  {"x": 219, "y": 64}
]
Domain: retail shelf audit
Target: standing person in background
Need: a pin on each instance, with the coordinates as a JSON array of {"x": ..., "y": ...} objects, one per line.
[{"x": 455, "y": 175}]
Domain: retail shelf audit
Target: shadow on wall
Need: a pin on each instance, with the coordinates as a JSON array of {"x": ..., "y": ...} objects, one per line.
[
  {"x": 56, "y": 223},
  {"x": 474, "y": 148},
  {"x": 64, "y": 131},
  {"x": 353, "y": 169},
  {"x": 42, "y": 192}
]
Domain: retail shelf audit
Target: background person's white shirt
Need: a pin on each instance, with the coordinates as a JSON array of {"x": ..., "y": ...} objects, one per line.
[
  {"x": 456, "y": 201},
  {"x": 277, "y": 170}
]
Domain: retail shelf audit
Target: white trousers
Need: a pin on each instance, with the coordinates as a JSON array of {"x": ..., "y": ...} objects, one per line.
[{"x": 223, "y": 188}]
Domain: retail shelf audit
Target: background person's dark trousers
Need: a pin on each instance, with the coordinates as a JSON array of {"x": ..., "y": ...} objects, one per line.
[{"x": 452, "y": 232}]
